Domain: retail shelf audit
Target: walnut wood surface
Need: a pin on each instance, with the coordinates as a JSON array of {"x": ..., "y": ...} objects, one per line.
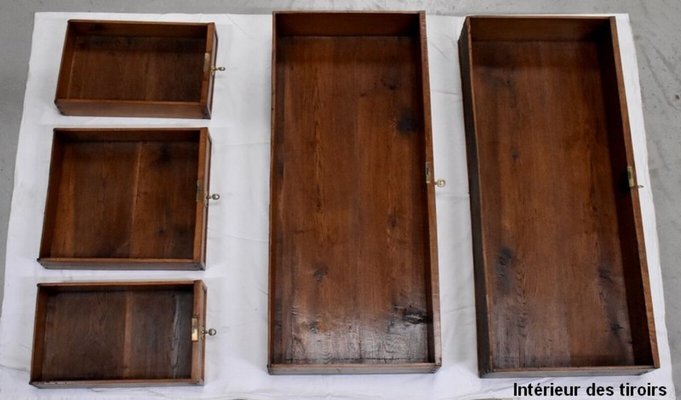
[
  {"x": 561, "y": 274},
  {"x": 103, "y": 334},
  {"x": 127, "y": 198},
  {"x": 122, "y": 68},
  {"x": 353, "y": 267}
]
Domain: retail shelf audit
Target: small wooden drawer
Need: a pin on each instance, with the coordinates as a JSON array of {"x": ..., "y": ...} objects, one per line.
[
  {"x": 353, "y": 248},
  {"x": 127, "y": 199},
  {"x": 137, "y": 69},
  {"x": 90, "y": 334},
  {"x": 560, "y": 263}
]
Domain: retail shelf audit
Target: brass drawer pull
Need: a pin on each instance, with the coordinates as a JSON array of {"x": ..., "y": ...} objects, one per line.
[
  {"x": 429, "y": 176},
  {"x": 203, "y": 331},
  {"x": 632, "y": 178}
]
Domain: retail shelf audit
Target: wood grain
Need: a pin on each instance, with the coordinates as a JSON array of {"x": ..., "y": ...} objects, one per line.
[
  {"x": 126, "y": 195},
  {"x": 138, "y": 332},
  {"x": 557, "y": 238},
  {"x": 199, "y": 347},
  {"x": 350, "y": 248},
  {"x": 123, "y": 68}
]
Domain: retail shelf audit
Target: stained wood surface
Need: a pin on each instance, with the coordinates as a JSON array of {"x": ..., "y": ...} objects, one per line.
[
  {"x": 561, "y": 272},
  {"x": 139, "y": 333},
  {"x": 126, "y": 194},
  {"x": 199, "y": 346},
  {"x": 137, "y": 69},
  {"x": 350, "y": 250}
]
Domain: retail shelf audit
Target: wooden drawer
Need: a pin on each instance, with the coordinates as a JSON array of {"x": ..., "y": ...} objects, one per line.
[
  {"x": 137, "y": 69},
  {"x": 560, "y": 264},
  {"x": 353, "y": 249},
  {"x": 127, "y": 199},
  {"x": 118, "y": 334}
]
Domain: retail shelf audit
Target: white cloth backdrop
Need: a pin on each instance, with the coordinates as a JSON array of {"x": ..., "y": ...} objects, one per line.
[{"x": 237, "y": 263}]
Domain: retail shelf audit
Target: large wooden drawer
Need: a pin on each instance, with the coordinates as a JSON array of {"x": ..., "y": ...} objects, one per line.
[
  {"x": 560, "y": 264},
  {"x": 137, "y": 69},
  {"x": 119, "y": 333},
  {"x": 353, "y": 253},
  {"x": 127, "y": 198}
]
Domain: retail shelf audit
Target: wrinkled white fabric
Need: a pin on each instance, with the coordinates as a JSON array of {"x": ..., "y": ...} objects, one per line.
[{"x": 237, "y": 261}]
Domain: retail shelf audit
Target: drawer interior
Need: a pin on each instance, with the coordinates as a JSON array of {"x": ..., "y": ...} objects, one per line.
[
  {"x": 110, "y": 333},
  {"x": 350, "y": 229},
  {"x": 133, "y": 61},
  {"x": 559, "y": 227},
  {"x": 122, "y": 194}
]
